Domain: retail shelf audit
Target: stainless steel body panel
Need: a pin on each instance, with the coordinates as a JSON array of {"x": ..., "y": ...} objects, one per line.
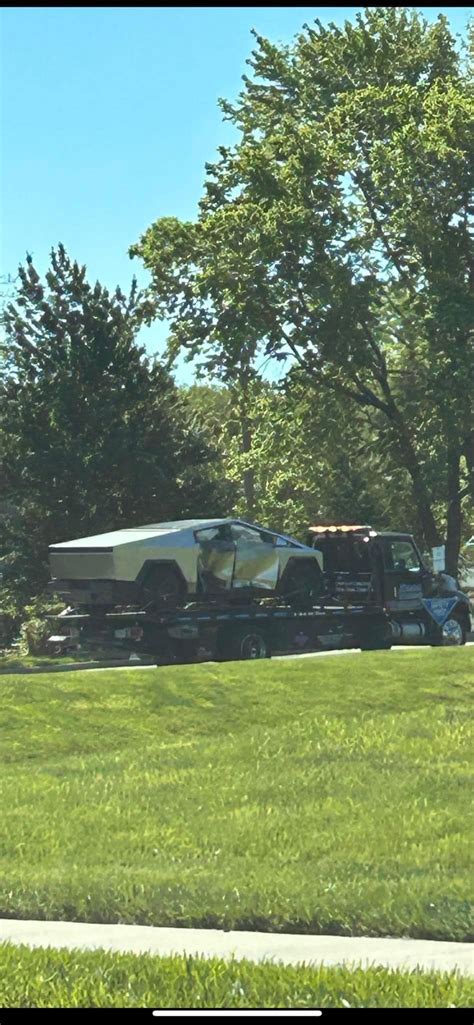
[
  {"x": 257, "y": 567},
  {"x": 82, "y": 565},
  {"x": 211, "y": 555}
]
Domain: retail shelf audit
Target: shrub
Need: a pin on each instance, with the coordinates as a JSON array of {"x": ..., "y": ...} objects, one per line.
[{"x": 36, "y": 628}]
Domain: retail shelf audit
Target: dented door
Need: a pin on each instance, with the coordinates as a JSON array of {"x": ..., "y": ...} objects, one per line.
[
  {"x": 256, "y": 560},
  {"x": 216, "y": 560}
]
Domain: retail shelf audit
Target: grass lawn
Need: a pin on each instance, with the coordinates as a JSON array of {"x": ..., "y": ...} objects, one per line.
[
  {"x": 324, "y": 795},
  {"x": 61, "y": 978}
]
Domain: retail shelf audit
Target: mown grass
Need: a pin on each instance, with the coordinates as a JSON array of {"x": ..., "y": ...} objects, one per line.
[
  {"x": 63, "y": 978},
  {"x": 13, "y": 660},
  {"x": 322, "y": 795}
]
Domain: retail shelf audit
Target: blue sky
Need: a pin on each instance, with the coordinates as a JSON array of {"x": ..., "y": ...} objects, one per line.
[{"x": 109, "y": 115}]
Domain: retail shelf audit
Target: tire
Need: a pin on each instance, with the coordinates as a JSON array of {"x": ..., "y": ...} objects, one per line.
[
  {"x": 243, "y": 644},
  {"x": 163, "y": 586},
  {"x": 452, "y": 634},
  {"x": 185, "y": 652},
  {"x": 301, "y": 582}
]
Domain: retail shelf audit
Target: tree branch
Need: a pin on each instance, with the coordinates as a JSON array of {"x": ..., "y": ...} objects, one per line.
[{"x": 381, "y": 232}]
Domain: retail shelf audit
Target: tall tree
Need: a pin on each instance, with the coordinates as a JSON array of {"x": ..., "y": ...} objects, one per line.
[
  {"x": 311, "y": 460},
  {"x": 94, "y": 434},
  {"x": 336, "y": 231}
]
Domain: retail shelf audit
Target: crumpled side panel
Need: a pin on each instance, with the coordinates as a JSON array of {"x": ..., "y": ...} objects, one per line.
[
  {"x": 256, "y": 566},
  {"x": 216, "y": 565}
]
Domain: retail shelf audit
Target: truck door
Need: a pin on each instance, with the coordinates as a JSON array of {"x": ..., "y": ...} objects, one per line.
[
  {"x": 216, "y": 559},
  {"x": 403, "y": 574},
  {"x": 256, "y": 559}
]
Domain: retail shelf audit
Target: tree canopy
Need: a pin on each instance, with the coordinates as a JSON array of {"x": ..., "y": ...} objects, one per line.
[
  {"x": 309, "y": 461},
  {"x": 95, "y": 435},
  {"x": 336, "y": 232}
]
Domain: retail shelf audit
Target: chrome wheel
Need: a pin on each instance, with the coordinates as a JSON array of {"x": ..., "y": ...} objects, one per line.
[{"x": 452, "y": 632}]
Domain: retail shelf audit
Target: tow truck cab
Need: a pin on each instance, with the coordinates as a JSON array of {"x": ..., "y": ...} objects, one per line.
[{"x": 360, "y": 564}]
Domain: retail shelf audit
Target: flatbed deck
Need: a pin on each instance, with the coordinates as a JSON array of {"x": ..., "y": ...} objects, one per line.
[{"x": 198, "y": 632}]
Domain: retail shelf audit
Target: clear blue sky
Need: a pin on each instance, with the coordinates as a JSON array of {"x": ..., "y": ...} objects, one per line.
[{"x": 109, "y": 115}]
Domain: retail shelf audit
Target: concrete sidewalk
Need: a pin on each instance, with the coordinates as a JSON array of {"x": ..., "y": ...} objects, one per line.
[{"x": 284, "y": 948}]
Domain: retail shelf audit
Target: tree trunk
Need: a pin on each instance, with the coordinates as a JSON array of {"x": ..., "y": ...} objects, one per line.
[
  {"x": 420, "y": 492},
  {"x": 469, "y": 457},
  {"x": 241, "y": 398},
  {"x": 248, "y": 476},
  {"x": 409, "y": 461},
  {"x": 454, "y": 516}
]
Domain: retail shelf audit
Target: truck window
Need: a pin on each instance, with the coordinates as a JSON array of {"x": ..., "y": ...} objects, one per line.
[
  {"x": 359, "y": 557},
  {"x": 208, "y": 534},
  {"x": 401, "y": 556},
  {"x": 219, "y": 533},
  {"x": 246, "y": 535},
  {"x": 345, "y": 555}
]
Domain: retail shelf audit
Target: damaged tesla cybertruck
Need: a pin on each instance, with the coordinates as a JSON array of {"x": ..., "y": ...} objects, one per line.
[{"x": 173, "y": 563}]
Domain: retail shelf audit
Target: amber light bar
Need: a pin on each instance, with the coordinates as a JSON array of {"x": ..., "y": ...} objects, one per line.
[{"x": 343, "y": 527}]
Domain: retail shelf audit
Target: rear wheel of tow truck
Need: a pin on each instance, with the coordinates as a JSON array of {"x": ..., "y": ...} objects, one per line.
[
  {"x": 245, "y": 643},
  {"x": 451, "y": 635}
]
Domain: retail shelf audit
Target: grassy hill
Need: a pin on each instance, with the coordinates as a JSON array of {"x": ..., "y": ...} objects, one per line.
[{"x": 322, "y": 795}]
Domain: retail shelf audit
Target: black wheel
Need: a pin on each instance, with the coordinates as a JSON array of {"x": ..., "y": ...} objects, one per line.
[
  {"x": 451, "y": 635},
  {"x": 253, "y": 645},
  {"x": 185, "y": 652},
  {"x": 163, "y": 586},
  {"x": 245, "y": 643},
  {"x": 301, "y": 582}
]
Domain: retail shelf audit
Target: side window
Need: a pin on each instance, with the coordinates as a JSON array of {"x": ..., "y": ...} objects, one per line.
[
  {"x": 246, "y": 535},
  {"x": 220, "y": 533},
  {"x": 282, "y": 542},
  {"x": 208, "y": 534},
  {"x": 401, "y": 556}
]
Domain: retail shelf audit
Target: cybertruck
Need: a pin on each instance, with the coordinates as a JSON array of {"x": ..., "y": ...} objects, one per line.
[{"x": 173, "y": 563}]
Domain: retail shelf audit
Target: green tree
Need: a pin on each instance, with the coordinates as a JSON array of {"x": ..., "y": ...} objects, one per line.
[
  {"x": 312, "y": 458},
  {"x": 336, "y": 231},
  {"x": 94, "y": 434}
]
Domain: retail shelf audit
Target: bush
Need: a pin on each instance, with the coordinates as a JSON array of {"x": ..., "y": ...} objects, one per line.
[
  {"x": 36, "y": 628},
  {"x": 12, "y": 613},
  {"x": 34, "y": 637}
]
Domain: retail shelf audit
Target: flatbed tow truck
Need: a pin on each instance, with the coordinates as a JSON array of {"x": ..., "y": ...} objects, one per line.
[
  {"x": 199, "y": 633},
  {"x": 373, "y": 592},
  {"x": 195, "y": 590}
]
